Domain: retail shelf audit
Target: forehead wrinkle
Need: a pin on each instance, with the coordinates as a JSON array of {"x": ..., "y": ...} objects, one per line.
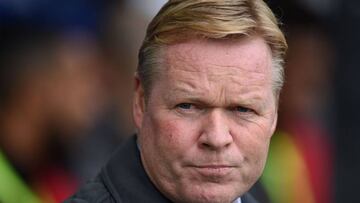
[
  {"x": 176, "y": 57},
  {"x": 250, "y": 96},
  {"x": 180, "y": 92},
  {"x": 252, "y": 78},
  {"x": 188, "y": 84},
  {"x": 236, "y": 68},
  {"x": 197, "y": 50},
  {"x": 188, "y": 80},
  {"x": 193, "y": 66},
  {"x": 187, "y": 62},
  {"x": 220, "y": 72}
]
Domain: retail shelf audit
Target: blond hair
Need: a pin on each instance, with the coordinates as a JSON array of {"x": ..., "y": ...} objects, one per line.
[{"x": 179, "y": 20}]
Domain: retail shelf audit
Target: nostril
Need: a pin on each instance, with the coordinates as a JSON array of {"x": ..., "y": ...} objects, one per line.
[{"x": 205, "y": 145}]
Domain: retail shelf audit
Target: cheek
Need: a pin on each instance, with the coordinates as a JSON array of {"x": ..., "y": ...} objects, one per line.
[
  {"x": 173, "y": 135},
  {"x": 253, "y": 142},
  {"x": 253, "y": 146},
  {"x": 261, "y": 145}
]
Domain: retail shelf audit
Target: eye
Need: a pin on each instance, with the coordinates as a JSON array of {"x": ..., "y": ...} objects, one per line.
[
  {"x": 187, "y": 109},
  {"x": 184, "y": 106},
  {"x": 242, "y": 109}
]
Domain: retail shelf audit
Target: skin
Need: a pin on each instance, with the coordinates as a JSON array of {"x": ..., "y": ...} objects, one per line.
[{"x": 205, "y": 128}]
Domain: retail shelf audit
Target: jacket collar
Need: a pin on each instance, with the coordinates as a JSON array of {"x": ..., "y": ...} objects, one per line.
[{"x": 126, "y": 179}]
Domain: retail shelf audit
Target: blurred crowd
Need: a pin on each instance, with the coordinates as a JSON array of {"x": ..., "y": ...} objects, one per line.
[
  {"x": 65, "y": 92},
  {"x": 66, "y": 71}
]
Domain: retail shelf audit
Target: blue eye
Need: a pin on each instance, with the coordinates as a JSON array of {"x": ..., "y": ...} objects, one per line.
[
  {"x": 184, "y": 106},
  {"x": 242, "y": 109}
]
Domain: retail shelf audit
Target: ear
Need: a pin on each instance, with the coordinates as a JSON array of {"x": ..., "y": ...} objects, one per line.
[
  {"x": 274, "y": 122},
  {"x": 273, "y": 125},
  {"x": 138, "y": 103}
]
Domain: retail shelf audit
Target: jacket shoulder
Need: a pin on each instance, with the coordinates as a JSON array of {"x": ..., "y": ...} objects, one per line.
[
  {"x": 248, "y": 198},
  {"x": 93, "y": 191}
]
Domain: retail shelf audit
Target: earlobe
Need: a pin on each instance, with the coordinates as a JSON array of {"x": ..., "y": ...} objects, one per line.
[{"x": 138, "y": 103}]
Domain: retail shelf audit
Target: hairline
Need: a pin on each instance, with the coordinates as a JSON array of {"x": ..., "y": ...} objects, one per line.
[{"x": 158, "y": 65}]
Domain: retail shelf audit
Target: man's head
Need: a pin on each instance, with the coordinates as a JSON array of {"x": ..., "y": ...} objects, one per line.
[
  {"x": 180, "y": 20},
  {"x": 205, "y": 105}
]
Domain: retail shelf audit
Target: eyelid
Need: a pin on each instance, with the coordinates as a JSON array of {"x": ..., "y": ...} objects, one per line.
[
  {"x": 180, "y": 105},
  {"x": 195, "y": 107},
  {"x": 242, "y": 107},
  {"x": 249, "y": 109}
]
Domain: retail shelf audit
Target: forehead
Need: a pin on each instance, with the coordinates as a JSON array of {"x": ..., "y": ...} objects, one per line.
[
  {"x": 218, "y": 71},
  {"x": 204, "y": 55},
  {"x": 249, "y": 57}
]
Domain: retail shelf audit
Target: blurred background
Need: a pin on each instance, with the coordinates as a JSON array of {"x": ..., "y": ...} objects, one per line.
[{"x": 66, "y": 71}]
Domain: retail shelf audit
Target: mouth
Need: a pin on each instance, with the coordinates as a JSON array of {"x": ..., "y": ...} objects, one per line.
[{"x": 214, "y": 170}]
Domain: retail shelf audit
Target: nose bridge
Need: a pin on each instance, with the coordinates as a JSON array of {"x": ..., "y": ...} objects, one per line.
[{"x": 216, "y": 130}]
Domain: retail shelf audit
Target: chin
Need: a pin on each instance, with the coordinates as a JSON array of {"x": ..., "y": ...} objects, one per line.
[{"x": 209, "y": 194}]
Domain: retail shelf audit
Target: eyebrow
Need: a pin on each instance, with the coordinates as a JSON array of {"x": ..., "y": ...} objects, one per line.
[{"x": 184, "y": 92}]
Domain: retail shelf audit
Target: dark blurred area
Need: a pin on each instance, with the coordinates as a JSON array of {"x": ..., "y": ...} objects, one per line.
[
  {"x": 300, "y": 165},
  {"x": 66, "y": 71},
  {"x": 65, "y": 93}
]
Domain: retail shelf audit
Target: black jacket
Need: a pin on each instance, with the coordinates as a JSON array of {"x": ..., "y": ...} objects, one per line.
[{"x": 123, "y": 180}]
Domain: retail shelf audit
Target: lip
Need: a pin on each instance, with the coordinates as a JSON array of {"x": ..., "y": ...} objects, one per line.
[
  {"x": 214, "y": 170},
  {"x": 214, "y": 166}
]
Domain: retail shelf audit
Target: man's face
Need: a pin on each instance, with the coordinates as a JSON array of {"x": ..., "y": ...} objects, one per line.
[{"x": 205, "y": 130}]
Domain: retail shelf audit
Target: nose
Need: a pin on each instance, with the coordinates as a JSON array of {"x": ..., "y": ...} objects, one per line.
[{"x": 215, "y": 133}]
